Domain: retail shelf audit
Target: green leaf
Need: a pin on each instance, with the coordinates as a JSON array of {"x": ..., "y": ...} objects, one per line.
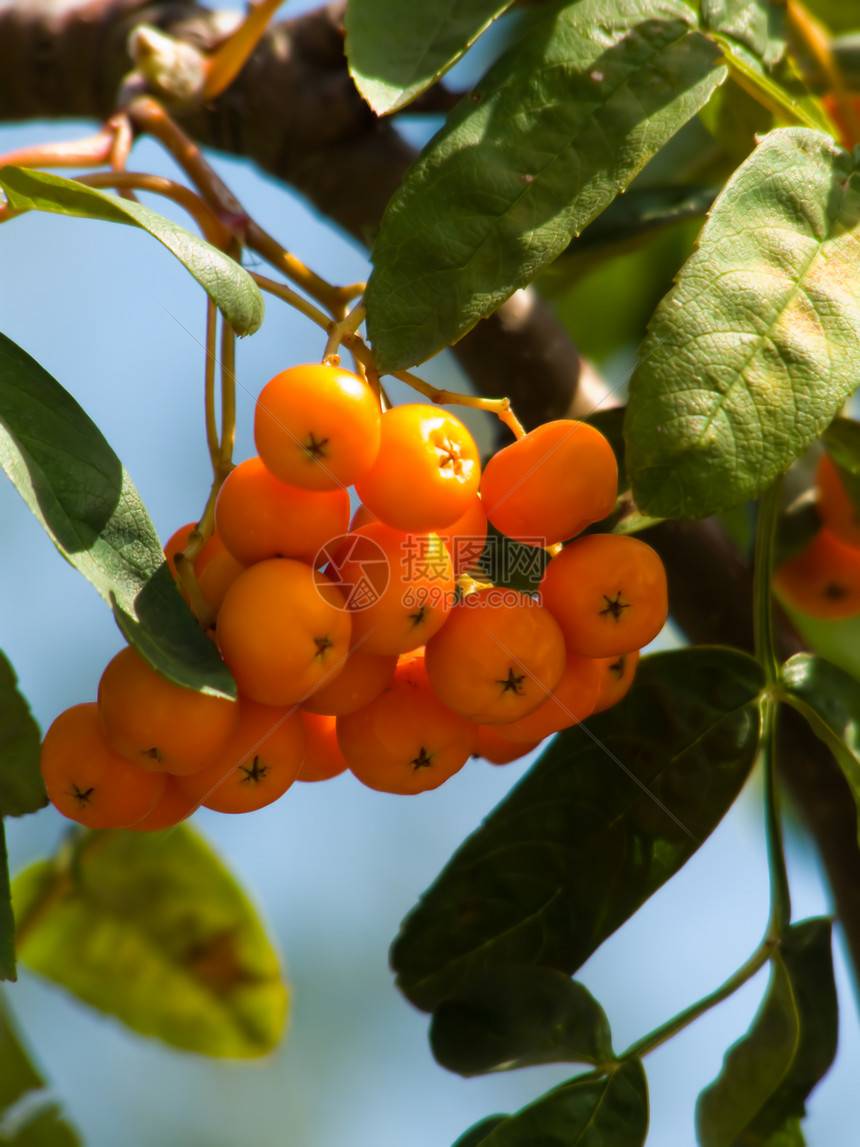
[
  {"x": 76, "y": 486},
  {"x": 37, "y": 1122},
  {"x": 8, "y": 971},
  {"x": 757, "y": 24},
  {"x": 479, "y": 1132},
  {"x": 752, "y": 353},
  {"x": 635, "y": 216},
  {"x": 543, "y": 144},
  {"x": 841, "y": 440},
  {"x": 608, "y": 1112},
  {"x": 396, "y": 51},
  {"x": 609, "y": 813},
  {"x": 829, "y": 698},
  {"x": 518, "y": 1016},
  {"x": 153, "y": 929},
  {"x": 22, "y": 789},
  {"x": 761, "y": 1092},
  {"x": 229, "y": 286}
]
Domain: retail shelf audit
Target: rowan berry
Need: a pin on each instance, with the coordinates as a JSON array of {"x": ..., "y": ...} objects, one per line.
[
  {"x": 323, "y": 758},
  {"x": 466, "y": 539},
  {"x": 363, "y": 677},
  {"x": 258, "y": 763},
  {"x": 257, "y": 516},
  {"x": 551, "y": 484},
  {"x": 823, "y": 580},
  {"x": 156, "y": 724},
  {"x": 398, "y": 587},
  {"x": 407, "y": 740},
  {"x": 608, "y": 593},
  {"x": 427, "y": 470},
  {"x": 284, "y": 630},
  {"x": 616, "y": 677},
  {"x": 570, "y": 702},
  {"x": 317, "y": 427},
  {"x": 174, "y": 806},
  {"x": 216, "y": 570},
  {"x": 87, "y": 780},
  {"x": 498, "y": 656},
  {"x": 497, "y": 749},
  {"x": 834, "y": 506}
]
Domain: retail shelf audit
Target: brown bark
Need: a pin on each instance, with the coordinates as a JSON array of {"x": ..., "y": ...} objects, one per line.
[{"x": 295, "y": 113}]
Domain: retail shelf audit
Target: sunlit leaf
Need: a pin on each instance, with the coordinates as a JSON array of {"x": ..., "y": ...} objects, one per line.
[
  {"x": 77, "y": 488},
  {"x": 606, "y": 1112},
  {"x": 606, "y": 816},
  {"x": 753, "y": 352},
  {"x": 396, "y": 51},
  {"x": 229, "y": 286},
  {"x": 538, "y": 149},
  {"x": 757, "y": 24},
  {"x": 153, "y": 929},
  {"x": 516, "y": 1016},
  {"x": 760, "y": 1095},
  {"x": 22, "y": 789}
]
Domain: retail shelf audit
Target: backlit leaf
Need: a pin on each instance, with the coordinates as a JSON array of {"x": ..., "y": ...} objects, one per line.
[
  {"x": 153, "y": 929},
  {"x": 396, "y": 51},
  {"x": 757, "y": 24},
  {"x": 607, "y": 815},
  {"x": 752, "y": 353},
  {"x": 538, "y": 149},
  {"x": 517, "y": 1016},
  {"x": 76, "y": 486},
  {"x": 22, "y": 789},
  {"x": 606, "y": 1112},
  {"x": 229, "y": 286}
]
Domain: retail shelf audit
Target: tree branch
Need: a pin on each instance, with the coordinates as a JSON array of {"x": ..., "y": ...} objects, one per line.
[{"x": 295, "y": 113}]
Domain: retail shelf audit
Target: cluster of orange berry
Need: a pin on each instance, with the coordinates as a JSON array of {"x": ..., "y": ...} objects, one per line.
[
  {"x": 378, "y": 645},
  {"x": 824, "y": 579}
]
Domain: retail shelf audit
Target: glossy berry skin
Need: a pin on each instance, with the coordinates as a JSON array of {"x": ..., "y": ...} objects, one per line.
[
  {"x": 363, "y": 677},
  {"x": 257, "y": 516},
  {"x": 174, "y": 806},
  {"x": 570, "y": 702},
  {"x": 608, "y": 593},
  {"x": 616, "y": 677},
  {"x": 492, "y": 746},
  {"x": 427, "y": 471},
  {"x": 323, "y": 758},
  {"x": 317, "y": 427},
  {"x": 90, "y": 782},
  {"x": 497, "y": 657},
  {"x": 283, "y": 630},
  {"x": 156, "y": 724},
  {"x": 406, "y": 741},
  {"x": 824, "y": 580},
  {"x": 551, "y": 484},
  {"x": 257, "y": 765}
]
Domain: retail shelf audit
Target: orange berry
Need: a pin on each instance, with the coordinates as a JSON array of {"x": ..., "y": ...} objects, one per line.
[
  {"x": 551, "y": 484},
  {"x": 572, "y": 700},
  {"x": 616, "y": 677},
  {"x": 398, "y": 587},
  {"x": 317, "y": 427},
  {"x": 176, "y": 543},
  {"x": 407, "y": 740},
  {"x": 363, "y": 677},
  {"x": 608, "y": 593},
  {"x": 90, "y": 782},
  {"x": 174, "y": 806},
  {"x": 156, "y": 724},
  {"x": 323, "y": 758},
  {"x": 257, "y": 516},
  {"x": 497, "y": 657},
  {"x": 216, "y": 570},
  {"x": 284, "y": 631},
  {"x": 257, "y": 765},
  {"x": 835, "y": 508},
  {"x": 426, "y": 473},
  {"x": 362, "y": 517},
  {"x": 466, "y": 539},
  {"x": 824, "y": 580},
  {"x": 499, "y": 750}
]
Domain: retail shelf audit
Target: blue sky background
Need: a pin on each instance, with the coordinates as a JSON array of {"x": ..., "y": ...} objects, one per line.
[{"x": 334, "y": 867}]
